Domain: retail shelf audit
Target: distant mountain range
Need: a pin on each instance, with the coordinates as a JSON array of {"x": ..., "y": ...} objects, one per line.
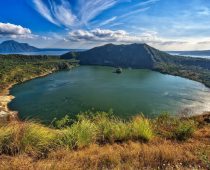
[{"x": 12, "y": 46}]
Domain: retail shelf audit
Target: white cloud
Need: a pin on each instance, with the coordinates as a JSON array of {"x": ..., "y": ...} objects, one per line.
[
  {"x": 96, "y": 35},
  {"x": 92, "y": 8},
  {"x": 14, "y": 31},
  {"x": 62, "y": 14},
  {"x": 146, "y": 2},
  {"x": 102, "y": 36},
  {"x": 108, "y": 21},
  {"x": 44, "y": 11},
  {"x": 106, "y": 35},
  {"x": 84, "y": 12},
  {"x": 58, "y": 14},
  {"x": 135, "y": 12}
]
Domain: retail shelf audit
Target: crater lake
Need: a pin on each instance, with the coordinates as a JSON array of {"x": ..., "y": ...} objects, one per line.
[{"x": 98, "y": 88}]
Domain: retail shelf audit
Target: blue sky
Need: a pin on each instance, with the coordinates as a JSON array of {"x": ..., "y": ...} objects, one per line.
[{"x": 164, "y": 24}]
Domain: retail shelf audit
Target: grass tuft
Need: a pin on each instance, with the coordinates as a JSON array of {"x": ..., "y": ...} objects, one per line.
[
  {"x": 141, "y": 129},
  {"x": 37, "y": 138},
  {"x": 80, "y": 134}
]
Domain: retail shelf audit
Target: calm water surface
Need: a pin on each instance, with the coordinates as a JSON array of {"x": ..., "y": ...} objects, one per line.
[{"x": 90, "y": 87}]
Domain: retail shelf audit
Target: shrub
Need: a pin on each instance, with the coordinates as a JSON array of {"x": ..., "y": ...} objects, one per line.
[
  {"x": 174, "y": 127},
  {"x": 165, "y": 124},
  {"x": 63, "y": 123},
  {"x": 140, "y": 129},
  {"x": 184, "y": 130}
]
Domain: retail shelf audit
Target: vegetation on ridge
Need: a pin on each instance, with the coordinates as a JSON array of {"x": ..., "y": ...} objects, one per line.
[{"x": 19, "y": 68}]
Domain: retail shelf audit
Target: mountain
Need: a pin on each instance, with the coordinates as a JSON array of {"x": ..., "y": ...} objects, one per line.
[
  {"x": 134, "y": 55},
  {"x": 12, "y": 46},
  {"x": 143, "y": 56}
]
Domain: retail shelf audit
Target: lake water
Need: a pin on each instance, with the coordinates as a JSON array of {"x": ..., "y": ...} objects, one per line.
[
  {"x": 190, "y": 55},
  {"x": 98, "y": 88}
]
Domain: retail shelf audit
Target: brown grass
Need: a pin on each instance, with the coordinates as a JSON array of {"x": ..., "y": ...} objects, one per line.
[
  {"x": 157, "y": 154},
  {"x": 32, "y": 146}
]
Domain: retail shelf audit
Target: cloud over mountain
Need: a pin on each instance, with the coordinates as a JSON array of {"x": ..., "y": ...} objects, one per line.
[
  {"x": 14, "y": 31},
  {"x": 106, "y": 35}
]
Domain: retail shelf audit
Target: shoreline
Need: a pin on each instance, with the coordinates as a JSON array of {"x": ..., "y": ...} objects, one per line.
[{"x": 6, "y": 114}]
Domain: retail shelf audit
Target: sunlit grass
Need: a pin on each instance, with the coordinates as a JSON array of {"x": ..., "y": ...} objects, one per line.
[
  {"x": 80, "y": 134},
  {"x": 141, "y": 129},
  {"x": 87, "y": 129}
]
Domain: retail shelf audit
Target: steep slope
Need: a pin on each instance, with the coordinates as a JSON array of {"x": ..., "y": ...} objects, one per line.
[
  {"x": 134, "y": 55},
  {"x": 12, "y": 46}
]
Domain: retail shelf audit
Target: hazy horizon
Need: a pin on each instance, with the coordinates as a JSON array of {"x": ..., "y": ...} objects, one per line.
[{"x": 79, "y": 24}]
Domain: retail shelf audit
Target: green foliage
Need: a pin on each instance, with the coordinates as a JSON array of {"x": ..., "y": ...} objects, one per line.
[
  {"x": 141, "y": 129},
  {"x": 62, "y": 123},
  {"x": 80, "y": 134},
  {"x": 101, "y": 128},
  {"x": 18, "y": 68},
  {"x": 174, "y": 127},
  {"x": 37, "y": 138},
  {"x": 184, "y": 130},
  {"x": 27, "y": 137},
  {"x": 111, "y": 129}
]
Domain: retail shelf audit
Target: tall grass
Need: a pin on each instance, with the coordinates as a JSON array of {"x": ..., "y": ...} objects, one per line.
[
  {"x": 37, "y": 138},
  {"x": 80, "y": 134},
  {"x": 99, "y": 128},
  {"x": 110, "y": 129},
  {"x": 10, "y": 139},
  {"x": 141, "y": 129},
  {"x": 27, "y": 137}
]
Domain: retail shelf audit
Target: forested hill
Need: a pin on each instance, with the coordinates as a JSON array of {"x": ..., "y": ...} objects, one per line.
[{"x": 144, "y": 56}]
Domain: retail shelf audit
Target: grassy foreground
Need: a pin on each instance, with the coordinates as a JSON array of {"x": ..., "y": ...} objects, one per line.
[{"x": 102, "y": 141}]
